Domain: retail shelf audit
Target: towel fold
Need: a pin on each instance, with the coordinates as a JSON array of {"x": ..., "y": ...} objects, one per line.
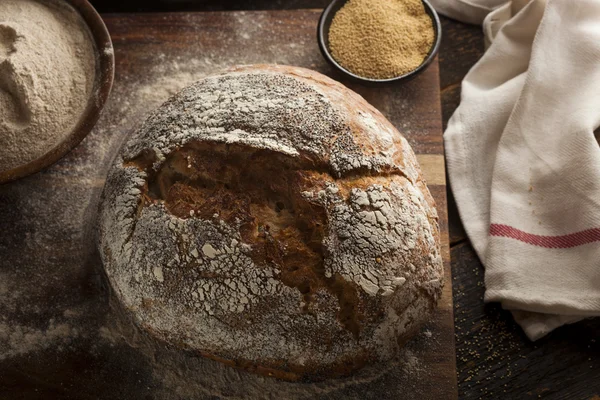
[{"x": 523, "y": 162}]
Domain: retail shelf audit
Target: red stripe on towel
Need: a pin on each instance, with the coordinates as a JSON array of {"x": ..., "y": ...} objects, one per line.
[{"x": 550, "y": 242}]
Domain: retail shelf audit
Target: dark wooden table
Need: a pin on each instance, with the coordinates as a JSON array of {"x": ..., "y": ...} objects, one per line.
[{"x": 494, "y": 358}]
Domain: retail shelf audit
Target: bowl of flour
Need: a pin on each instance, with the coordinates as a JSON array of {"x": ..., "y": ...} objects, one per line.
[{"x": 56, "y": 72}]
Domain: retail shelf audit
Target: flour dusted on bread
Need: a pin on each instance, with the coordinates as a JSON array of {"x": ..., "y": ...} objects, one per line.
[{"x": 270, "y": 218}]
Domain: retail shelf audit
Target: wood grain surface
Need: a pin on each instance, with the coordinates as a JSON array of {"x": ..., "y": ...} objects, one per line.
[{"x": 56, "y": 326}]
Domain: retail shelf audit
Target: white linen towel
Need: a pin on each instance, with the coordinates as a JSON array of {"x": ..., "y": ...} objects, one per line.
[{"x": 523, "y": 162}]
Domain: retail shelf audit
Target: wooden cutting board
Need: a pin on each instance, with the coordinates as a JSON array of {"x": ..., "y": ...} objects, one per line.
[{"x": 57, "y": 336}]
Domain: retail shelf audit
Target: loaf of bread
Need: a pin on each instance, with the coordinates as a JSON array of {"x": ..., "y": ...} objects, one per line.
[{"x": 270, "y": 218}]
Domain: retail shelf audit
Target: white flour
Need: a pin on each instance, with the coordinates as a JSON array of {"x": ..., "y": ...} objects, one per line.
[{"x": 47, "y": 72}]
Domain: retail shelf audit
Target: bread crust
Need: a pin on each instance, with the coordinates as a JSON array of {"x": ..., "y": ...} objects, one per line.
[{"x": 270, "y": 218}]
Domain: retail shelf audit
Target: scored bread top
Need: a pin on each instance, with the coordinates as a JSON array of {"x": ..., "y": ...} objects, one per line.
[
  {"x": 270, "y": 218},
  {"x": 289, "y": 110}
]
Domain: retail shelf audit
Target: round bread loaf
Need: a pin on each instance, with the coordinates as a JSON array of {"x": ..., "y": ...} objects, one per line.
[{"x": 270, "y": 218}]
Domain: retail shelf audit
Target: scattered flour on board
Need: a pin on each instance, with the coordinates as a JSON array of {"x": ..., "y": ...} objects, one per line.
[
  {"x": 20, "y": 338},
  {"x": 185, "y": 379},
  {"x": 43, "y": 305}
]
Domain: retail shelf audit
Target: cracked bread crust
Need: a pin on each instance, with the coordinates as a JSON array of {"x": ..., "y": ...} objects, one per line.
[{"x": 270, "y": 218}]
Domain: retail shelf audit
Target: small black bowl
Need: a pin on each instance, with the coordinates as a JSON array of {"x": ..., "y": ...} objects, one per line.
[{"x": 323, "y": 39}]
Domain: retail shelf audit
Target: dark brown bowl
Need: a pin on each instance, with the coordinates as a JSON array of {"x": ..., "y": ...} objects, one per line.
[
  {"x": 105, "y": 62},
  {"x": 323, "y": 39}
]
